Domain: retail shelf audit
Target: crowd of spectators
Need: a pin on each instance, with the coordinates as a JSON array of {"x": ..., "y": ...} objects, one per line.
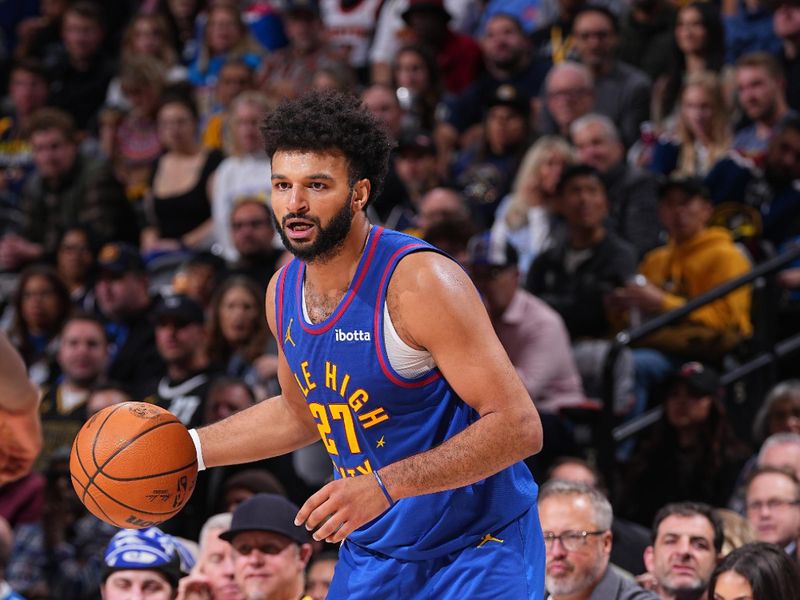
[{"x": 591, "y": 163}]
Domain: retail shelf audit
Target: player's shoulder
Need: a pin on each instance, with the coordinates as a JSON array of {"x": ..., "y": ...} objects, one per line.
[{"x": 427, "y": 267}]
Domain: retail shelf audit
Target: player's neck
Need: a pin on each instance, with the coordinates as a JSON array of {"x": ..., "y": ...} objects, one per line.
[{"x": 337, "y": 272}]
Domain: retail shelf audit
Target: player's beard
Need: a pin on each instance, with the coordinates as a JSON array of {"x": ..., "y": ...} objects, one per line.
[{"x": 329, "y": 238}]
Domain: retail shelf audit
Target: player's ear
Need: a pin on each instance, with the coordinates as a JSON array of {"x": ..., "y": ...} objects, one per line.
[{"x": 361, "y": 193}]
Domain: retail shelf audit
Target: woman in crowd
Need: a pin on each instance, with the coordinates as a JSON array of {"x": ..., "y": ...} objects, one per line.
[
  {"x": 225, "y": 37},
  {"x": 702, "y": 134},
  {"x": 246, "y": 173},
  {"x": 76, "y": 255},
  {"x": 419, "y": 89},
  {"x": 136, "y": 145},
  {"x": 525, "y": 216},
  {"x": 757, "y": 571},
  {"x": 41, "y": 307},
  {"x": 780, "y": 411},
  {"x": 699, "y": 45},
  {"x": 692, "y": 454},
  {"x": 178, "y": 207},
  {"x": 180, "y": 17},
  {"x": 146, "y": 35},
  {"x": 238, "y": 342}
]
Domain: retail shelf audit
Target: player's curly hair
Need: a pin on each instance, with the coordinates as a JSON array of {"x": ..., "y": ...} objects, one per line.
[{"x": 327, "y": 120}]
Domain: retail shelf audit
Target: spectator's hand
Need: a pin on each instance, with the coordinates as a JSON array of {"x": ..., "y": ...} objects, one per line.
[
  {"x": 789, "y": 278},
  {"x": 647, "y": 581},
  {"x": 195, "y": 587},
  {"x": 648, "y": 298},
  {"x": 266, "y": 366},
  {"x": 342, "y": 506},
  {"x": 16, "y": 251}
]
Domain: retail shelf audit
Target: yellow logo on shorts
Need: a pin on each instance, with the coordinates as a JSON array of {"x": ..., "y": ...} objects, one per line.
[{"x": 488, "y": 538}]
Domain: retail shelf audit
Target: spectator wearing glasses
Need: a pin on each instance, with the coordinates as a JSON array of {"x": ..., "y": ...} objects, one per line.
[
  {"x": 773, "y": 506},
  {"x": 622, "y": 92},
  {"x": 568, "y": 95},
  {"x": 245, "y": 173},
  {"x": 253, "y": 234},
  {"x": 270, "y": 552},
  {"x": 576, "y": 520}
]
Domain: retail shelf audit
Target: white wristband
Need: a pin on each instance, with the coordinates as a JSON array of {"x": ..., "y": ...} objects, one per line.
[{"x": 201, "y": 466}]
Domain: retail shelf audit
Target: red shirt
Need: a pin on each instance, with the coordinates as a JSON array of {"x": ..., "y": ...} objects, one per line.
[{"x": 459, "y": 61}]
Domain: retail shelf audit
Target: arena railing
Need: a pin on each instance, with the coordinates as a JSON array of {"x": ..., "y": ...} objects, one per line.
[{"x": 764, "y": 352}]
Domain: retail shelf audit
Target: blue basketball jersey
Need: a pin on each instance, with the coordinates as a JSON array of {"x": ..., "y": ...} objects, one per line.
[{"x": 369, "y": 416}]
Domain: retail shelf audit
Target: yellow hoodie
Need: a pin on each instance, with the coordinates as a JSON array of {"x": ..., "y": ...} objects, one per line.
[{"x": 686, "y": 270}]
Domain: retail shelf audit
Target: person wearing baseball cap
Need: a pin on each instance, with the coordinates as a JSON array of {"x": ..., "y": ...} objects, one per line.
[
  {"x": 270, "y": 552},
  {"x": 145, "y": 563},
  {"x": 122, "y": 290}
]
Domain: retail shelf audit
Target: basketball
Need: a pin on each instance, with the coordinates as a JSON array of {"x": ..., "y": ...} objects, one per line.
[{"x": 133, "y": 465}]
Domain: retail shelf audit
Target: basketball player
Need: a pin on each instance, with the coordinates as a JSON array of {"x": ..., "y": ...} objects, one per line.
[
  {"x": 388, "y": 355},
  {"x": 20, "y": 426}
]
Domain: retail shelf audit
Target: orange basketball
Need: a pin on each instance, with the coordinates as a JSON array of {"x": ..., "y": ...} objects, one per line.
[{"x": 133, "y": 465}]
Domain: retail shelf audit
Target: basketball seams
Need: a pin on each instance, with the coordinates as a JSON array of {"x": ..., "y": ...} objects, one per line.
[
  {"x": 144, "y": 477},
  {"x": 88, "y": 452}
]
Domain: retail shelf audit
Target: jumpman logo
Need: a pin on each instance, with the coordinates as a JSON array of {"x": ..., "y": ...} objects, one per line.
[
  {"x": 288, "y": 337},
  {"x": 488, "y": 538}
]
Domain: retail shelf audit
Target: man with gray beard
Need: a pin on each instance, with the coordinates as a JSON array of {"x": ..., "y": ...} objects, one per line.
[
  {"x": 576, "y": 521},
  {"x": 687, "y": 541}
]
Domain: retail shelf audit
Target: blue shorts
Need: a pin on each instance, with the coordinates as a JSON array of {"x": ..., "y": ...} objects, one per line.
[{"x": 505, "y": 564}]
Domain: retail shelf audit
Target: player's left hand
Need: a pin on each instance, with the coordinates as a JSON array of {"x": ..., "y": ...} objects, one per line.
[{"x": 342, "y": 506}]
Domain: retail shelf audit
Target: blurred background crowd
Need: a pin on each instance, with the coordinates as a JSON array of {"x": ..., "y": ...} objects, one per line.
[{"x": 595, "y": 166}]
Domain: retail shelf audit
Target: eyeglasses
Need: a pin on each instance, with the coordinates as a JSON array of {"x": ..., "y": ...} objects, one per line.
[
  {"x": 771, "y": 504},
  {"x": 266, "y": 548},
  {"x": 571, "y": 540}
]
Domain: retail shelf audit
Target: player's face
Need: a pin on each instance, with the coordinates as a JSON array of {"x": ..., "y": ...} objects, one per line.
[
  {"x": 570, "y": 572},
  {"x": 217, "y": 565},
  {"x": 683, "y": 556},
  {"x": 140, "y": 584},
  {"x": 267, "y": 563},
  {"x": 312, "y": 202}
]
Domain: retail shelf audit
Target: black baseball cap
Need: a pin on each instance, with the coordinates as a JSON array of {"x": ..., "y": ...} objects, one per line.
[
  {"x": 118, "y": 258},
  {"x": 691, "y": 186},
  {"x": 511, "y": 96},
  {"x": 297, "y": 7},
  {"x": 416, "y": 140},
  {"x": 483, "y": 250},
  {"x": 180, "y": 307},
  {"x": 700, "y": 379},
  {"x": 267, "y": 512}
]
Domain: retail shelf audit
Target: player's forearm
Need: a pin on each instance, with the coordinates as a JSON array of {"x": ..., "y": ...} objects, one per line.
[
  {"x": 489, "y": 445},
  {"x": 270, "y": 428},
  {"x": 17, "y": 393}
]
